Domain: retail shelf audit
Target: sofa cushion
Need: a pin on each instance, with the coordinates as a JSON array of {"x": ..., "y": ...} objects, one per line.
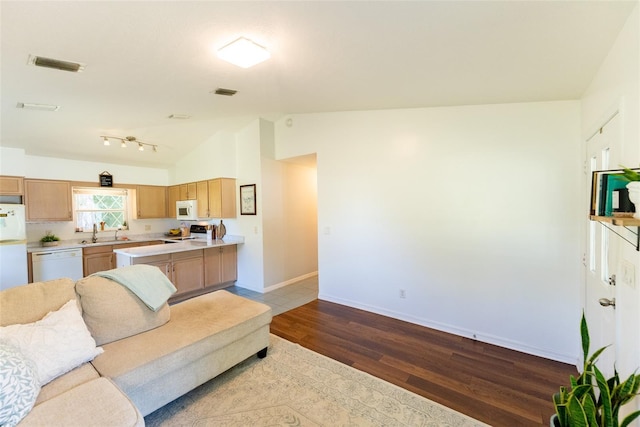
[
  {"x": 95, "y": 403},
  {"x": 57, "y": 343},
  {"x": 113, "y": 312},
  {"x": 198, "y": 326},
  {"x": 28, "y": 303},
  {"x": 80, "y": 375},
  {"x": 19, "y": 385}
]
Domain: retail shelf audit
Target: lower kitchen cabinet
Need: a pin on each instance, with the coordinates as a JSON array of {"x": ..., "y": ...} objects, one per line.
[
  {"x": 192, "y": 272},
  {"x": 187, "y": 271},
  {"x": 97, "y": 258},
  {"x": 220, "y": 265},
  {"x": 101, "y": 258}
]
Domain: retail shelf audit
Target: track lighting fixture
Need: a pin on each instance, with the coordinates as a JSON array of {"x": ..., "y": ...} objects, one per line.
[{"x": 126, "y": 139}]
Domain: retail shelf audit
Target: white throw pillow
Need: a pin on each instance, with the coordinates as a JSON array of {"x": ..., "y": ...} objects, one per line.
[
  {"x": 57, "y": 343},
  {"x": 19, "y": 386}
]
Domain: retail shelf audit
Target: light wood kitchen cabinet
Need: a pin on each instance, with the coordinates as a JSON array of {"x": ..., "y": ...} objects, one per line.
[
  {"x": 220, "y": 265},
  {"x": 97, "y": 258},
  {"x": 202, "y": 189},
  {"x": 173, "y": 195},
  {"x": 221, "y": 198},
  {"x": 163, "y": 262},
  {"x": 188, "y": 191},
  {"x": 187, "y": 272},
  {"x": 229, "y": 263},
  {"x": 151, "y": 202},
  {"x": 48, "y": 200},
  {"x": 11, "y": 185}
]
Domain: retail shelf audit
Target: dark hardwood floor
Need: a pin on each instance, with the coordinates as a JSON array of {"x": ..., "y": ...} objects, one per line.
[{"x": 495, "y": 385}]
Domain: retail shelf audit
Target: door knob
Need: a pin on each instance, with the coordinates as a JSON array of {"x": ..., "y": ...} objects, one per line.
[{"x": 605, "y": 302}]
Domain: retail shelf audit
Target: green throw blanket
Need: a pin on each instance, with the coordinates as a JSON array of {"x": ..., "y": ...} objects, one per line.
[{"x": 146, "y": 281}]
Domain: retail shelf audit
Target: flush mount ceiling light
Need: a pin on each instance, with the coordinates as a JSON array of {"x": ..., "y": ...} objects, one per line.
[
  {"x": 40, "y": 61},
  {"x": 126, "y": 139},
  {"x": 243, "y": 53},
  {"x": 41, "y": 107}
]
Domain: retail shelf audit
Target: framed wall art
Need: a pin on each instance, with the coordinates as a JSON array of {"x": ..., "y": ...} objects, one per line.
[{"x": 248, "y": 199}]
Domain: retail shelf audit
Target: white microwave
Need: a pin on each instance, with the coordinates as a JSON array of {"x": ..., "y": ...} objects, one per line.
[{"x": 187, "y": 210}]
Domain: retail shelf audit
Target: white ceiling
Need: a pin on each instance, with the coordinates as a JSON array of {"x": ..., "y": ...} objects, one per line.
[{"x": 147, "y": 60}]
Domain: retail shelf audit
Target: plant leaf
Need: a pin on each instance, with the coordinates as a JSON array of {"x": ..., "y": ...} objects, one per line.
[
  {"x": 605, "y": 398},
  {"x": 577, "y": 416},
  {"x": 629, "y": 418},
  {"x": 590, "y": 409},
  {"x": 584, "y": 334}
]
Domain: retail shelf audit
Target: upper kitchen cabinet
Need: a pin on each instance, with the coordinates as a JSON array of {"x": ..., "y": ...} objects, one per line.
[
  {"x": 222, "y": 198},
  {"x": 47, "y": 200},
  {"x": 173, "y": 195},
  {"x": 202, "y": 189},
  {"x": 151, "y": 202},
  {"x": 11, "y": 185},
  {"x": 188, "y": 191}
]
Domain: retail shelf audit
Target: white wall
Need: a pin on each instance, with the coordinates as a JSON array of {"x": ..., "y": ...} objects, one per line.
[
  {"x": 12, "y": 161},
  {"x": 617, "y": 86},
  {"x": 472, "y": 211},
  {"x": 250, "y": 254},
  {"x": 214, "y": 158},
  {"x": 75, "y": 170}
]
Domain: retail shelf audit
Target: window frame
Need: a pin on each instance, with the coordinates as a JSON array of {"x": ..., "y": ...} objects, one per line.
[{"x": 123, "y": 192}]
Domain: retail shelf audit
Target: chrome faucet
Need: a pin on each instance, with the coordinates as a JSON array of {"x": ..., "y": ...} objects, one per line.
[
  {"x": 116, "y": 235},
  {"x": 94, "y": 237}
]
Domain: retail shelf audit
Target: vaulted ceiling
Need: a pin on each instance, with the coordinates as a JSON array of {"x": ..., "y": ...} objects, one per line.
[{"x": 148, "y": 60}]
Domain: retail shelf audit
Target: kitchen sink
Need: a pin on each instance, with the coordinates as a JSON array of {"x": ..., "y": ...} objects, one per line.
[{"x": 105, "y": 242}]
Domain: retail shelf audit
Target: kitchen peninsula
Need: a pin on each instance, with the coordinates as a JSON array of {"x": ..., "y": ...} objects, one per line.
[{"x": 194, "y": 266}]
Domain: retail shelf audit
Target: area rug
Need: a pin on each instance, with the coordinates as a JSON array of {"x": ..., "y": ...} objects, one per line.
[{"x": 294, "y": 386}]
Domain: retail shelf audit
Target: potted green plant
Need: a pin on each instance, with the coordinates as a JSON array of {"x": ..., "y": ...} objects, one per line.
[
  {"x": 592, "y": 400},
  {"x": 50, "y": 239}
]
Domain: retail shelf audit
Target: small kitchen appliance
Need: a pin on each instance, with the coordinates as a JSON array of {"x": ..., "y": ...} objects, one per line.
[{"x": 187, "y": 210}]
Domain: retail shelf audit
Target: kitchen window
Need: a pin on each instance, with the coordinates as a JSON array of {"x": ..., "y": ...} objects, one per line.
[{"x": 107, "y": 208}]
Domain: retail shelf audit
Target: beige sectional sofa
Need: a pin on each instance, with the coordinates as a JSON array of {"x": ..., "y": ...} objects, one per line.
[{"x": 149, "y": 358}]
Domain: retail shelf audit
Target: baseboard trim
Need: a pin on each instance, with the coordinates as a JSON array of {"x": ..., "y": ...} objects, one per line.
[{"x": 289, "y": 282}]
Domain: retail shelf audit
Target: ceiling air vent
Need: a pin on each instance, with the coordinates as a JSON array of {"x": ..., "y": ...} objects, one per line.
[
  {"x": 40, "y": 61},
  {"x": 41, "y": 107},
  {"x": 225, "y": 92}
]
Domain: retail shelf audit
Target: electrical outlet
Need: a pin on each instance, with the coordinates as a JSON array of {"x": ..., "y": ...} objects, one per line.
[
  {"x": 628, "y": 273},
  {"x": 403, "y": 294},
  {"x": 147, "y": 227}
]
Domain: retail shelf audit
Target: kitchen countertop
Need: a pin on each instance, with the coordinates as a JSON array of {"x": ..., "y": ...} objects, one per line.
[
  {"x": 77, "y": 244},
  {"x": 180, "y": 246}
]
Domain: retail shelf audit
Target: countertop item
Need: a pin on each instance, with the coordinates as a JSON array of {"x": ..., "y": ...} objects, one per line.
[{"x": 180, "y": 246}]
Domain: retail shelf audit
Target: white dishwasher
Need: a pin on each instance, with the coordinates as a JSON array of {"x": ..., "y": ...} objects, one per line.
[{"x": 56, "y": 264}]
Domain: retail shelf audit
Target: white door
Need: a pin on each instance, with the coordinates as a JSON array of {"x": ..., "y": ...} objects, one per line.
[{"x": 602, "y": 252}]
